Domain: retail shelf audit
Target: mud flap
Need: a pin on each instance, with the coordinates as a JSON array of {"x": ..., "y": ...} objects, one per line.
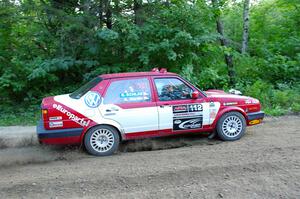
[{"x": 212, "y": 135}]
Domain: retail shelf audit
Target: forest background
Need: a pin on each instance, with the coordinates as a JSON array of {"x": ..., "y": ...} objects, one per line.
[{"x": 53, "y": 47}]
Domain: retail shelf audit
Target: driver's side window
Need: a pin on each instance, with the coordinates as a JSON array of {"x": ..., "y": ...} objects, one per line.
[{"x": 172, "y": 89}]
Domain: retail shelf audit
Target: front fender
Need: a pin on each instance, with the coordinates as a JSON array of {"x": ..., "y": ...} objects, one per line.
[{"x": 226, "y": 110}]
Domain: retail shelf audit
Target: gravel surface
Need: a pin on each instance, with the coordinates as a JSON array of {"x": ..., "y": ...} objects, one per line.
[{"x": 265, "y": 163}]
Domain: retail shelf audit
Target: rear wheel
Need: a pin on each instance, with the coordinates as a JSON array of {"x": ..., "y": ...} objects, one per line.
[
  {"x": 102, "y": 140},
  {"x": 231, "y": 126}
]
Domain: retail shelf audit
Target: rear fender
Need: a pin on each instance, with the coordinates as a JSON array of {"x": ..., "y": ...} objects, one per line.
[{"x": 111, "y": 123}]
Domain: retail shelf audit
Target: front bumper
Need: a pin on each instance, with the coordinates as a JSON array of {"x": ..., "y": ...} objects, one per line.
[
  {"x": 58, "y": 136},
  {"x": 256, "y": 115},
  {"x": 255, "y": 118}
]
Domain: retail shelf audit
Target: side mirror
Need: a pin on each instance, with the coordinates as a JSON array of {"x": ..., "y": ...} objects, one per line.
[{"x": 195, "y": 95}]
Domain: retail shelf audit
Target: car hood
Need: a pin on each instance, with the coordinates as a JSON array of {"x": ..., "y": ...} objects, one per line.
[{"x": 223, "y": 95}]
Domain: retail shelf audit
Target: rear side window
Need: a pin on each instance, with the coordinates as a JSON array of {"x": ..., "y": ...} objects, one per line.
[
  {"x": 85, "y": 88},
  {"x": 128, "y": 91}
]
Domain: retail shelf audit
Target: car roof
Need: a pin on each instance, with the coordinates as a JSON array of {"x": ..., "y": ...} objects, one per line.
[{"x": 135, "y": 74}]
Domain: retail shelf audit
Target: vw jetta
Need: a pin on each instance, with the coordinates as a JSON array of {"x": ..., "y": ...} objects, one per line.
[{"x": 115, "y": 107}]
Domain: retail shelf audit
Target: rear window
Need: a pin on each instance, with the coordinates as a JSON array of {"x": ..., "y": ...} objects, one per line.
[
  {"x": 128, "y": 91},
  {"x": 85, "y": 88}
]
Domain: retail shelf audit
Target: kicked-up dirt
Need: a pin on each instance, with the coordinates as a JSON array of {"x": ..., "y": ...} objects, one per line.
[{"x": 265, "y": 163}]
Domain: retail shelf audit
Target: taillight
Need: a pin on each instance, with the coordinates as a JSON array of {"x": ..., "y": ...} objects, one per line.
[{"x": 45, "y": 114}]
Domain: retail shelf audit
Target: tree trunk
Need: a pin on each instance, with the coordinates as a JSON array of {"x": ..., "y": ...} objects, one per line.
[
  {"x": 100, "y": 12},
  {"x": 138, "y": 12},
  {"x": 245, "y": 26},
  {"x": 109, "y": 17},
  {"x": 108, "y": 14},
  {"x": 224, "y": 42}
]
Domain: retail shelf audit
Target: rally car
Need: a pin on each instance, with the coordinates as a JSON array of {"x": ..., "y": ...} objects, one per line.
[{"x": 115, "y": 107}]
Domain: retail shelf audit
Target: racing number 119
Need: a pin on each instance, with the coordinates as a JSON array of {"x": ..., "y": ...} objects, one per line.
[{"x": 195, "y": 107}]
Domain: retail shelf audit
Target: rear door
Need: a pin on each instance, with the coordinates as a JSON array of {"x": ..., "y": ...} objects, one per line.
[
  {"x": 130, "y": 102},
  {"x": 177, "y": 111}
]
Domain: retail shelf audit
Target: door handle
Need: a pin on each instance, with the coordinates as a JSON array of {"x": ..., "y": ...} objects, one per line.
[
  {"x": 111, "y": 110},
  {"x": 163, "y": 105}
]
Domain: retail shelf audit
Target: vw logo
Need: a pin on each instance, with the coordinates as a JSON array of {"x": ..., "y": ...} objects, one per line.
[{"x": 92, "y": 99}]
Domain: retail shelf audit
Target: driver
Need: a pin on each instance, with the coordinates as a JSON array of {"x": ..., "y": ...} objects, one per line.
[{"x": 170, "y": 92}]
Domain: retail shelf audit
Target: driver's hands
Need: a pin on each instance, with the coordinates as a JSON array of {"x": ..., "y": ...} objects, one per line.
[{"x": 185, "y": 93}]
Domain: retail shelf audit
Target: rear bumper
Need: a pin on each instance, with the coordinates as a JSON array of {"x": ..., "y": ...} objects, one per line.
[
  {"x": 256, "y": 115},
  {"x": 58, "y": 136}
]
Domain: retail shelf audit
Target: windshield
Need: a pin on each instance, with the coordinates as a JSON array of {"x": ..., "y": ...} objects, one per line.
[{"x": 85, "y": 88}]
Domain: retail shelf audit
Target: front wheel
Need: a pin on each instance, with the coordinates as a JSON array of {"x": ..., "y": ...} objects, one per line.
[
  {"x": 231, "y": 126},
  {"x": 102, "y": 140}
]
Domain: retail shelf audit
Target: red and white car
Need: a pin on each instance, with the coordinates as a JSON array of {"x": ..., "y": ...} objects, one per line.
[{"x": 116, "y": 107}]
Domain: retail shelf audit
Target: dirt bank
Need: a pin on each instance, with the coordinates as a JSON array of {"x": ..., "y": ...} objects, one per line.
[{"x": 265, "y": 163}]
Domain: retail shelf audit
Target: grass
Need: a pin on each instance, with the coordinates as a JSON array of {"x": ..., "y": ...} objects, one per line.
[
  {"x": 19, "y": 115},
  {"x": 23, "y": 119}
]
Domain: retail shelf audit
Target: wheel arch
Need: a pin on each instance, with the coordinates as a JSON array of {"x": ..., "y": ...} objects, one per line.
[
  {"x": 226, "y": 110},
  {"x": 121, "y": 135}
]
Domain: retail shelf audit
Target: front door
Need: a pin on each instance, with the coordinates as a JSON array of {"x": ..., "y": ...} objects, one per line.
[
  {"x": 178, "y": 112},
  {"x": 130, "y": 103}
]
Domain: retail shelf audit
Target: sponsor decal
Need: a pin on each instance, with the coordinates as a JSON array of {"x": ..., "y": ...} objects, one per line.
[
  {"x": 71, "y": 116},
  {"x": 229, "y": 103},
  {"x": 131, "y": 94},
  {"x": 92, "y": 99},
  {"x": 195, "y": 107},
  {"x": 177, "y": 121},
  {"x": 187, "y": 108},
  {"x": 212, "y": 114},
  {"x": 188, "y": 123},
  {"x": 188, "y": 116},
  {"x": 211, "y": 104},
  {"x": 212, "y": 111},
  {"x": 55, "y": 118},
  {"x": 56, "y": 124},
  {"x": 135, "y": 96},
  {"x": 181, "y": 108}
]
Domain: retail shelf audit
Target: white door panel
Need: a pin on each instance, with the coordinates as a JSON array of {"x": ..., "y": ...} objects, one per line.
[
  {"x": 130, "y": 103},
  {"x": 205, "y": 113},
  {"x": 165, "y": 117},
  {"x": 132, "y": 119}
]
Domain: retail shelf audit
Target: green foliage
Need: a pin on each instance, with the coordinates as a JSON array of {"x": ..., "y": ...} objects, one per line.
[
  {"x": 49, "y": 48},
  {"x": 275, "y": 101},
  {"x": 295, "y": 107},
  {"x": 275, "y": 111},
  {"x": 19, "y": 115}
]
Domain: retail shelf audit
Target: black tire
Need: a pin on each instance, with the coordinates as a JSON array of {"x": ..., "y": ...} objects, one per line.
[
  {"x": 228, "y": 132},
  {"x": 94, "y": 140}
]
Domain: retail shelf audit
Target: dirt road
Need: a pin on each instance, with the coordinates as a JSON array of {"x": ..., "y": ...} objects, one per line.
[{"x": 265, "y": 163}]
